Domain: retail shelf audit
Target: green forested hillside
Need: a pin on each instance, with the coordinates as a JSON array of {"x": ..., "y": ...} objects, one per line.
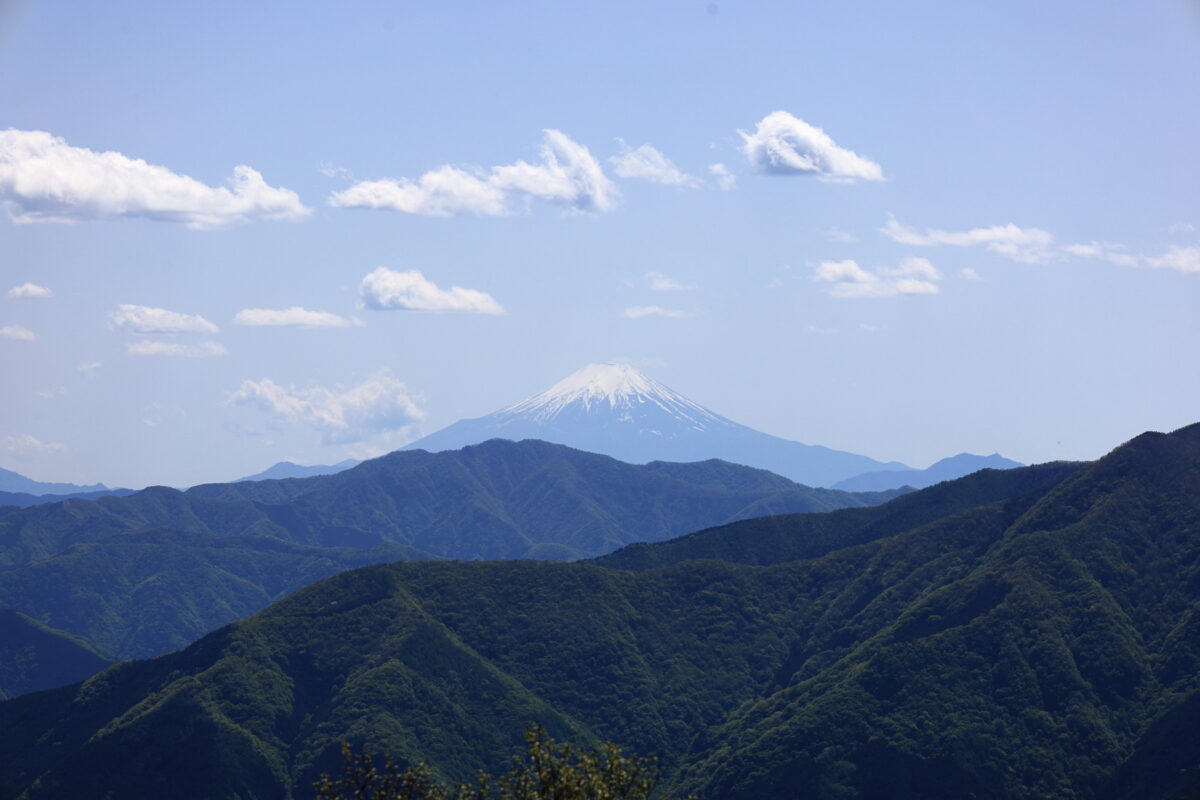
[
  {"x": 144, "y": 574},
  {"x": 1040, "y": 644}
]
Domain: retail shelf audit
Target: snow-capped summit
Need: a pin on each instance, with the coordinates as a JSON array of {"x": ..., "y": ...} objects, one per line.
[
  {"x": 612, "y": 386},
  {"x": 616, "y": 410}
]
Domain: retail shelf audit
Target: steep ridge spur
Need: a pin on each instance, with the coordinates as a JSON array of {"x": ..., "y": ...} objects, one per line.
[{"x": 1040, "y": 644}]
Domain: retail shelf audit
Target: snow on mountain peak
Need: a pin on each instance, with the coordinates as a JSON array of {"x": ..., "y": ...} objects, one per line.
[{"x": 618, "y": 386}]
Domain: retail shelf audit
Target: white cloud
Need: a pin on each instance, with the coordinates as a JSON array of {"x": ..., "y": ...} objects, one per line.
[
  {"x": 331, "y": 170},
  {"x": 44, "y": 179},
  {"x": 639, "y": 312},
  {"x": 970, "y": 274},
  {"x": 292, "y": 317},
  {"x": 386, "y": 289},
  {"x": 1181, "y": 227},
  {"x": 379, "y": 404},
  {"x": 1027, "y": 245},
  {"x": 842, "y": 237},
  {"x": 849, "y": 280},
  {"x": 17, "y": 333},
  {"x": 144, "y": 319},
  {"x": 176, "y": 350},
  {"x": 30, "y": 290},
  {"x": 1180, "y": 259},
  {"x": 89, "y": 368},
  {"x": 665, "y": 283},
  {"x": 783, "y": 144},
  {"x": 721, "y": 174},
  {"x": 568, "y": 174},
  {"x": 649, "y": 164},
  {"x": 26, "y": 446},
  {"x": 444, "y": 192}
]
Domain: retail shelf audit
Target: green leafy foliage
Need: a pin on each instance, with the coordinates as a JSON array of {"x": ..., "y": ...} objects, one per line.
[{"x": 549, "y": 771}]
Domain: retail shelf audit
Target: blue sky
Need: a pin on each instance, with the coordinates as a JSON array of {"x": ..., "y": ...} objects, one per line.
[{"x": 973, "y": 227}]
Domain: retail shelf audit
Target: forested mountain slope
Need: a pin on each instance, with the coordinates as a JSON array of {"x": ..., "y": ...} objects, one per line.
[
  {"x": 151, "y": 572},
  {"x": 1040, "y": 644}
]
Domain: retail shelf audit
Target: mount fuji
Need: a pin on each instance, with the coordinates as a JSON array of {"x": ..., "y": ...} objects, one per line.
[{"x": 616, "y": 410}]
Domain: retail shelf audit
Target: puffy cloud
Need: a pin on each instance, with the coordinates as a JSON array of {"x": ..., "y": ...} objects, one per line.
[
  {"x": 386, "y": 289},
  {"x": 849, "y": 280},
  {"x": 17, "y": 333},
  {"x": 444, "y": 192},
  {"x": 722, "y": 176},
  {"x": 27, "y": 446},
  {"x": 292, "y": 317},
  {"x": 379, "y": 404},
  {"x": 44, "y": 179},
  {"x": 568, "y": 174},
  {"x": 176, "y": 350},
  {"x": 638, "y": 312},
  {"x": 783, "y": 144},
  {"x": 144, "y": 319},
  {"x": 664, "y": 283},
  {"x": 30, "y": 290},
  {"x": 649, "y": 164},
  {"x": 1028, "y": 245},
  {"x": 1180, "y": 259}
]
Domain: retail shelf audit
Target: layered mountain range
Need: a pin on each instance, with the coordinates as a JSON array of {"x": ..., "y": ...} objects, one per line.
[
  {"x": 139, "y": 575},
  {"x": 1032, "y": 632}
]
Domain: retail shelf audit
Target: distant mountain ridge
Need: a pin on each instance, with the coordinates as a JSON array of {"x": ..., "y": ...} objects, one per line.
[
  {"x": 17, "y": 483},
  {"x": 289, "y": 469},
  {"x": 945, "y": 470},
  {"x": 616, "y": 410},
  {"x": 23, "y": 500}
]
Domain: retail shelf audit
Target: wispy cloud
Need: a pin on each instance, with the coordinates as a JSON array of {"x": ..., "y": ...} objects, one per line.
[
  {"x": 721, "y": 174},
  {"x": 1027, "y": 245},
  {"x": 1181, "y": 227},
  {"x": 848, "y": 280},
  {"x": 30, "y": 290},
  {"x": 379, "y": 404},
  {"x": 639, "y": 312},
  {"x": 1180, "y": 259},
  {"x": 970, "y": 274},
  {"x": 89, "y": 368},
  {"x": 145, "y": 319},
  {"x": 18, "y": 333},
  {"x": 568, "y": 175},
  {"x": 26, "y": 446},
  {"x": 295, "y": 317},
  {"x": 841, "y": 237},
  {"x": 386, "y": 289},
  {"x": 176, "y": 350},
  {"x": 647, "y": 163},
  {"x": 44, "y": 179},
  {"x": 659, "y": 282},
  {"x": 783, "y": 144}
]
